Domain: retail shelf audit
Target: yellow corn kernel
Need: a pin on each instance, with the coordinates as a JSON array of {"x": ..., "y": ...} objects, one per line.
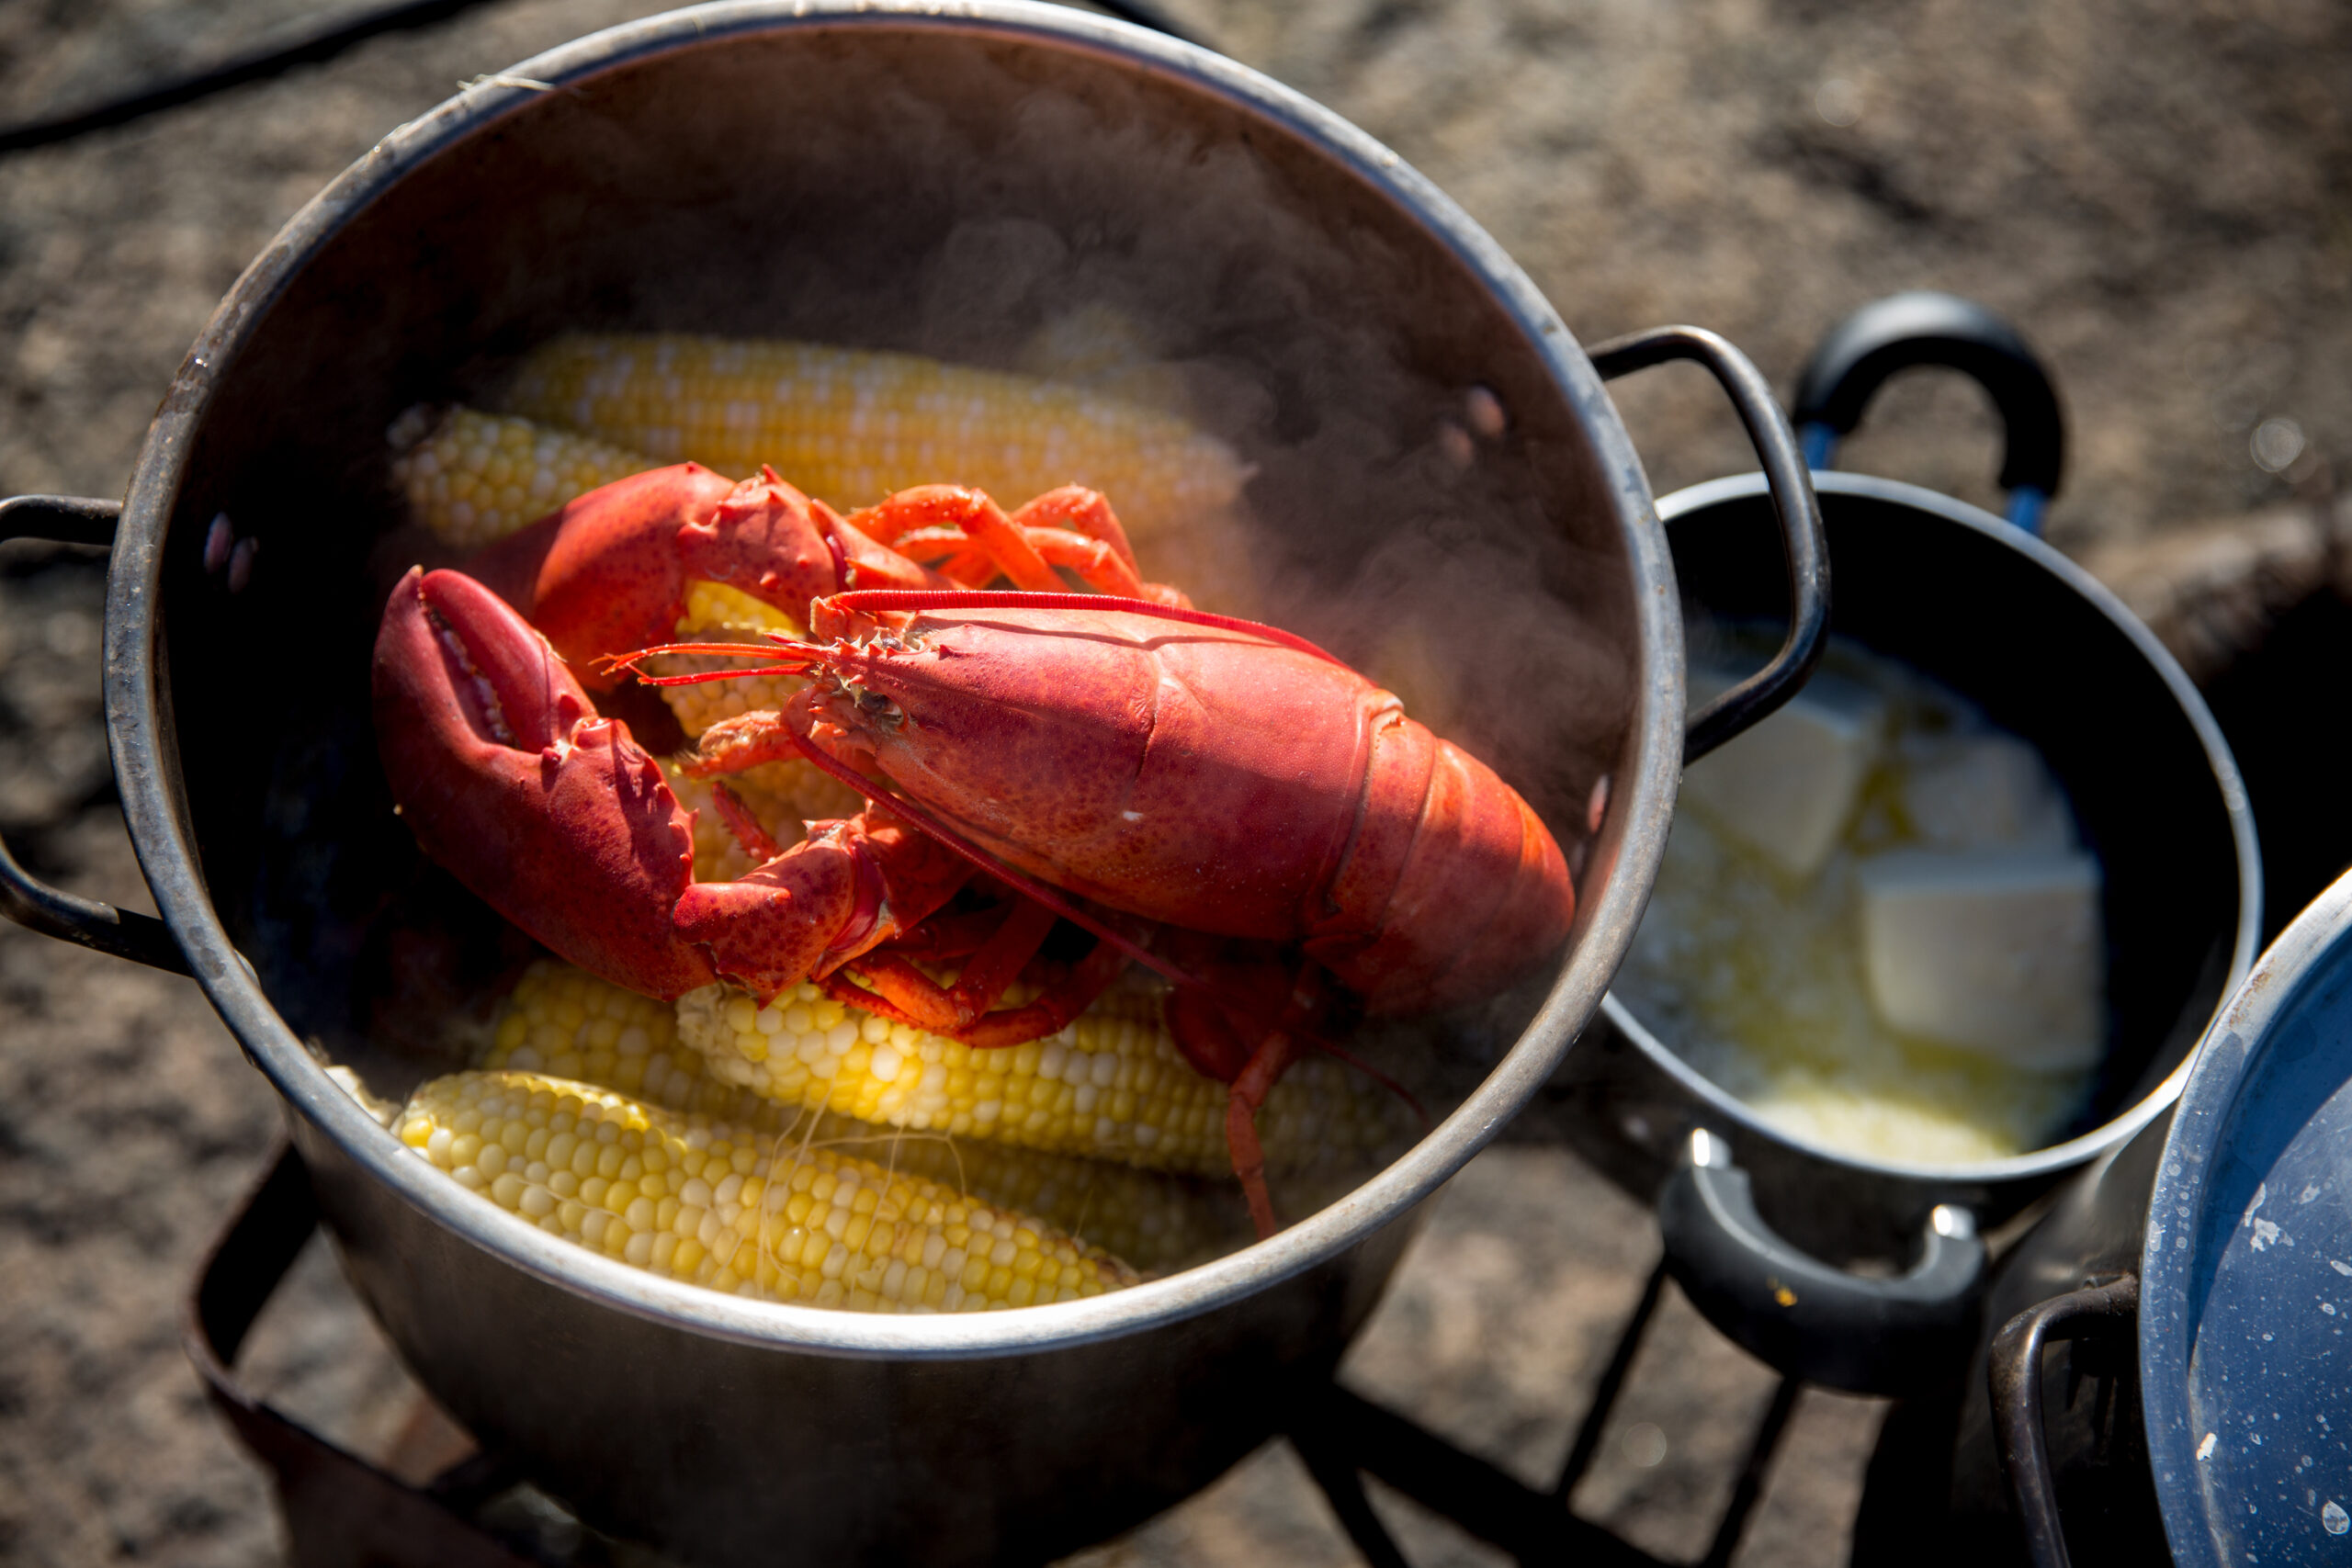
[
  {"x": 740, "y": 1254},
  {"x": 474, "y": 478},
  {"x": 780, "y": 795},
  {"x": 717, "y": 612},
  {"x": 1105, "y": 349},
  {"x": 850, "y": 425},
  {"x": 1157, "y": 1222},
  {"x": 1059, "y": 1094}
]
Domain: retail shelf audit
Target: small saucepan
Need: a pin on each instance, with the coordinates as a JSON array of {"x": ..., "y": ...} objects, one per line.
[{"x": 1757, "y": 1218}]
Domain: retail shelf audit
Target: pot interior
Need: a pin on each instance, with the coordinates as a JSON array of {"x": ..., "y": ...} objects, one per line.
[{"x": 936, "y": 187}]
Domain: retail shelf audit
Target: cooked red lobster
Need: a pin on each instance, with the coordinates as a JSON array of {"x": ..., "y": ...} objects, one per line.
[
  {"x": 1221, "y": 800},
  {"x": 609, "y": 572}
]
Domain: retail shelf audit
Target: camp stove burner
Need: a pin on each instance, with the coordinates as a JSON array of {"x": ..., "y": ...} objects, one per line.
[{"x": 478, "y": 1512}]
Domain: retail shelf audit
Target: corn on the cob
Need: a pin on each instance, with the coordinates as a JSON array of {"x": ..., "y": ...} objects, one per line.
[
  {"x": 1154, "y": 1221},
  {"x": 717, "y": 612},
  {"x": 779, "y": 796},
  {"x": 1111, "y": 1084},
  {"x": 565, "y": 1022},
  {"x": 1103, "y": 349},
  {"x": 851, "y": 426},
  {"x": 752, "y": 1214},
  {"x": 474, "y": 478}
]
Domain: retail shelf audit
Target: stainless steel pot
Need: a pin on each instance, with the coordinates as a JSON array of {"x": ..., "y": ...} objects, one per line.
[
  {"x": 813, "y": 170},
  {"x": 1758, "y": 1221}
]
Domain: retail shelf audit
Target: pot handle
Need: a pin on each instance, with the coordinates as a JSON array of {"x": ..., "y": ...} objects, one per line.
[
  {"x": 24, "y": 898},
  {"x": 1926, "y": 328},
  {"x": 2014, "y": 1375},
  {"x": 1794, "y": 503},
  {"x": 1803, "y": 1317}
]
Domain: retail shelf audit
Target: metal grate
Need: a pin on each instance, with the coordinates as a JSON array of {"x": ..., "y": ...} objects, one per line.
[{"x": 477, "y": 1512}]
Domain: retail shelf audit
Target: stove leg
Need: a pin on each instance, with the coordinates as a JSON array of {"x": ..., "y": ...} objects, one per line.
[
  {"x": 1343, "y": 1485},
  {"x": 340, "y": 1511},
  {"x": 1612, "y": 1381},
  {"x": 1751, "y": 1474}
]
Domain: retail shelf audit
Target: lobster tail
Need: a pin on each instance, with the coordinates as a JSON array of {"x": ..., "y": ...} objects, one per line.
[{"x": 1452, "y": 882}]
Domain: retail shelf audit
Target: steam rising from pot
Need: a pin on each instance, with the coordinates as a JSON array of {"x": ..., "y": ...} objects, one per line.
[{"x": 1078, "y": 237}]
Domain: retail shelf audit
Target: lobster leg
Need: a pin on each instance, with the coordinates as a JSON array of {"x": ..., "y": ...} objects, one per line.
[
  {"x": 1052, "y": 1012},
  {"x": 1243, "y": 1101},
  {"x": 973, "y": 539},
  {"x": 1074, "y": 527},
  {"x": 1094, "y": 560},
  {"x": 897, "y": 990},
  {"x": 1074, "y": 508},
  {"x": 949, "y": 1010},
  {"x": 970, "y": 514},
  {"x": 1047, "y": 1014},
  {"x": 1220, "y": 1027},
  {"x": 746, "y": 829},
  {"x": 1099, "y": 566},
  {"x": 744, "y": 742}
]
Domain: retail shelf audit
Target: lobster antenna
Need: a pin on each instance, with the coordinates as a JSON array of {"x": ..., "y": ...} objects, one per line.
[
  {"x": 1001, "y": 599},
  {"x": 610, "y": 662}
]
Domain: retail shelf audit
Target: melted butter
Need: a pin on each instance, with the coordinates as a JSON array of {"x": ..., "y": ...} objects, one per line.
[{"x": 1756, "y": 979}]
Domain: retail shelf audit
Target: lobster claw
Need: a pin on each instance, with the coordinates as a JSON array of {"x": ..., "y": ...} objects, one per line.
[
  {"x": 609, "y": 570},
  {"x": 849, "y": 886},
  {"x": 554, "y": 816},
  {"x": 510, "y": 778}
]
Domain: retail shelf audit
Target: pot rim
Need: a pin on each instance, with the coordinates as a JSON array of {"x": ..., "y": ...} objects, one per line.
[
  {"x": 2171, "y": 1257},
  {"x": 2039, "y": 1163},
  {"x": 1630, "y": 846}
]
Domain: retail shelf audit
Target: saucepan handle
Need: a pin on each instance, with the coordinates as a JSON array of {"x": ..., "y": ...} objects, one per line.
[
  {"x": 24, "y": 898},
  {"x": 1945, "y": 329},
  {"x": 2014, "y": 1374},
  {"x": 1794, "y": 501},
  {"x": 1820, "y": 1324}
]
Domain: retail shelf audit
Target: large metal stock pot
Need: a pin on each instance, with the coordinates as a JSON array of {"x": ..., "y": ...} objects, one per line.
[{"x": 813, "y": 171}]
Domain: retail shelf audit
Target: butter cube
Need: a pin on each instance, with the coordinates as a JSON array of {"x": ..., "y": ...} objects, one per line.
[
  {"x": 1976, "y": 791},
  {"x": 1997, "y": 952},
  {"x": 1787, "y": 787}
]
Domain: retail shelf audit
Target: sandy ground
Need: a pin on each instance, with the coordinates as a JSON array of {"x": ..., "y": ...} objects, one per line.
[{"x": 2156, "y": 192}]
